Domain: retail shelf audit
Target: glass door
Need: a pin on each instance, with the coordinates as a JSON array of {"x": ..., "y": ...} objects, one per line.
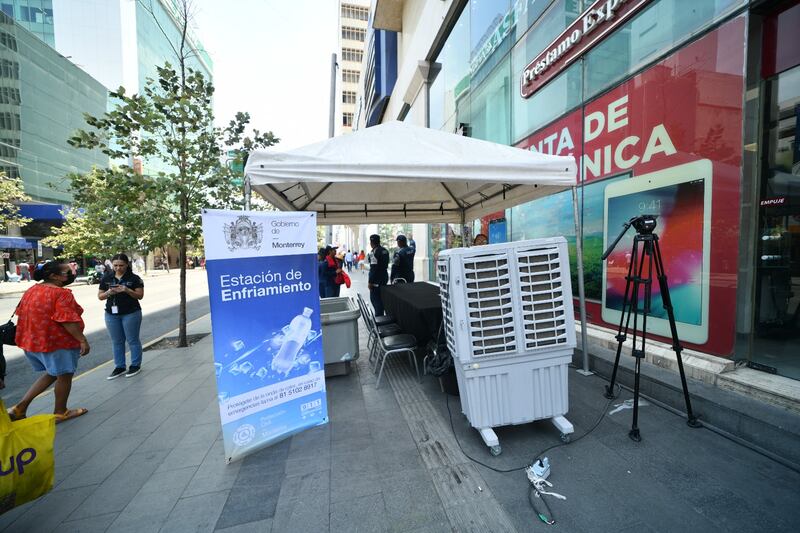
[{"x": 776, "y": 343}]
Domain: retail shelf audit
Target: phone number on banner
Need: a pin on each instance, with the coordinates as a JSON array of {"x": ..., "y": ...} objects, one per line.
[{"x": 266, "y": 397}]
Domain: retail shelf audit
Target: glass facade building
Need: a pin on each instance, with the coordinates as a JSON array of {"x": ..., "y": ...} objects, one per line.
[
  {"x": 36, "y": 16},
  {"x": 686, "y": 110},
  {"x": 43, "y": 97},
  {"x": 154, "y": 48},
  {"x": 42, "y": 100}
]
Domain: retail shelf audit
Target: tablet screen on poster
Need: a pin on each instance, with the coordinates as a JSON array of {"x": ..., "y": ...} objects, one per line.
[{"x": 681, "y": 197}]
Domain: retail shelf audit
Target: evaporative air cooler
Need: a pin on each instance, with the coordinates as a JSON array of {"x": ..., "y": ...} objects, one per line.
[{"x": 510, "y": 326}]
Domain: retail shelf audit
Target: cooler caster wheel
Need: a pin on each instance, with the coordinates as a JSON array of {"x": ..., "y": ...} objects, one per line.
[
  {"x": 495, "y": 450},
  {"x": 565, "y": 438}
]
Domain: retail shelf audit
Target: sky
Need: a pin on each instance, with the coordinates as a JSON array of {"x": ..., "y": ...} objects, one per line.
[{"x": 272, "y": 59}]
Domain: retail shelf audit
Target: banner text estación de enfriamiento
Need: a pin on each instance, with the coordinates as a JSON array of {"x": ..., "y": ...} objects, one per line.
[{"x": 261, "y": 285}]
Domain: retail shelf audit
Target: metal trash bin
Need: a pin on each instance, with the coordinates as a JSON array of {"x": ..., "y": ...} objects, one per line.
[{"x": 339, "y": 318}]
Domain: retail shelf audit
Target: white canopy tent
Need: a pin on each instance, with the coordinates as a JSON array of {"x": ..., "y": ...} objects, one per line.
[{"x": 396, "y": 172}]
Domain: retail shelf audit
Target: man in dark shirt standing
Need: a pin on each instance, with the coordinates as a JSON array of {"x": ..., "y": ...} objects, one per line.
[
  {"x": 378, "y": 272},
  {"x": 403, "y": 261}
]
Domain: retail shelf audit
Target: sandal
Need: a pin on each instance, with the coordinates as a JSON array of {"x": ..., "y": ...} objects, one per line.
[
  {"x": 15, "y": 413},
  {"x": 70, "y": 414}
]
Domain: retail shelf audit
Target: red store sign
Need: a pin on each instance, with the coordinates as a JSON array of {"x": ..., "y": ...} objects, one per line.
[
  {"x": 676, "y": 118},
  {"x": 594, "y": 24}
]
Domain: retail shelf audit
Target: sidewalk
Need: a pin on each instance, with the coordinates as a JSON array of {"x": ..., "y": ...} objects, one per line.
[{"x": 148, "y": 457}]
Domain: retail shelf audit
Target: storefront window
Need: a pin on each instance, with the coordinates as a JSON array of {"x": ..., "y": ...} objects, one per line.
[
  {"x": 528, "y": 12},
  {"x": 561, "y": 94},
  {"x": 547, "y": 217},
  {"x": 666, "y": 142},
  {"x": 491, "y": 35},
  {"x": 550, "y": 102},
  {"x": 490, "y": 116},
  {"x": 454, "y": 58},
  {"x": 650, "y": 34}
]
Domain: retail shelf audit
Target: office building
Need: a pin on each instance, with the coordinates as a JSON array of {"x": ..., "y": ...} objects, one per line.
[
  {"x": 121, "y": 42},
  {"x": 353, "y": 18},
  {"x": 42, "y": 100},
  {"x": 36, "y": 16}
]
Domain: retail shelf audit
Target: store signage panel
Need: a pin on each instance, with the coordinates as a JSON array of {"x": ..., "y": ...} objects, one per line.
[
  {"x": 659, "y": 127},
  {"x": 594, "y": 24},
  {"x": 773, "y": 201}
]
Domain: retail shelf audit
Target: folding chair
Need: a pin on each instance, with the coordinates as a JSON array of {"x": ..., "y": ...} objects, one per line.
[
  {"x": 381, "y": 344},
  {"x": 373, "y": 328}
]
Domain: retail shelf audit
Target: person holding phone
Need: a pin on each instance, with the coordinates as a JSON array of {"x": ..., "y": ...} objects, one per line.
[{"x": 122, "y": 290}]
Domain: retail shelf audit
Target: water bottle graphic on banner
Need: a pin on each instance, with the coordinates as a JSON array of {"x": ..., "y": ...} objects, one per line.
[{"x": 299, "y": 328}]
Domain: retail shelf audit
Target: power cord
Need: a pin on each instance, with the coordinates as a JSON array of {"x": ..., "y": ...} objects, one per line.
[
  {"x": 534, "y": 493},
  {"x": 540, "y": 454}
]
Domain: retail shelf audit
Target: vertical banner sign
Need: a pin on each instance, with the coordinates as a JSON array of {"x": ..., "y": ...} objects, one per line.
[{"x": 262, "y": 283}]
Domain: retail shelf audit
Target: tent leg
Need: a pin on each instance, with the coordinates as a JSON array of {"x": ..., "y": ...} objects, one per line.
[
  {"x": 581, "y": 296},
  {"x": 464, "y": 243}
]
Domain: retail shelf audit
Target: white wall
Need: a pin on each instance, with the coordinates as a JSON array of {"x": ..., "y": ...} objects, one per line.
[
  {"x": 88, "y": 33},
  {"x": 421, "y": 22}
]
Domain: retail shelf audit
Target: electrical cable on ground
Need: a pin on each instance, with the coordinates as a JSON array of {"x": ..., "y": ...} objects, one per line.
[
  {"x": 537, "y": 456},
  {"x": 534, "y": 491}
]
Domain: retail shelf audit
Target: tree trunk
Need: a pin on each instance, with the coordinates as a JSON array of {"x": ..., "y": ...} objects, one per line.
[{"x": 182, "y": 341}]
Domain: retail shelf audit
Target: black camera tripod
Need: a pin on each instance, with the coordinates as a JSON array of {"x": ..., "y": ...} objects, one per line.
[{"x": 639, "y": 278}]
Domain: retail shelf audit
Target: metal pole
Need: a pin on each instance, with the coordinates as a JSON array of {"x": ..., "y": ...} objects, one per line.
[
  {"x": 581, "y": 296},
  {"x": 332, "y": 116},
  {"x": 331, "y": 123},
  {"x": 247, "y": 192}
]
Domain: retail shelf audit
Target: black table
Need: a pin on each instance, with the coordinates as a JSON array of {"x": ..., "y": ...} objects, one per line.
[{"x": 416, "y": 307}]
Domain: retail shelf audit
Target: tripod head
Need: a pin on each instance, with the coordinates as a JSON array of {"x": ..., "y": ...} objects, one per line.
[{"x": 643, "y": 224}]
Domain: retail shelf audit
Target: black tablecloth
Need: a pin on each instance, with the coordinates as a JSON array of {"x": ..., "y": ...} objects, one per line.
[{"x": 416, "y": 307}]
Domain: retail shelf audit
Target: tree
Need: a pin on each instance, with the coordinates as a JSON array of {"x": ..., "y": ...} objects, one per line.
[
  {"x": 12, "y": 192},
  {"x": 115, "y": 213},
  {"x": 171, "y": 122},
  {"x": 241, "y": 146}
]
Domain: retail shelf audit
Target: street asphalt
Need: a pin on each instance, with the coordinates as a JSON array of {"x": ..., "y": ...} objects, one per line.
[{"x": 160, "y": 316}]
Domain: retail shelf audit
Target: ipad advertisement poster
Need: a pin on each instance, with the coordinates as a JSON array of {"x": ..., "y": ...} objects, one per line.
[
  {"x": 666, "y": 142},
  {"x": 264, "y": 296},
  {"x": 681, "y": 199}
]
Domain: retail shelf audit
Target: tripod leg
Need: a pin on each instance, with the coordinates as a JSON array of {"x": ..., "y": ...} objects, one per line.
[
  {"x": 622, "y": 332},
  {"x": 639, "y": 354},
  {"x": 676, "y": 343},
  {"x": 634, "y": 432}
]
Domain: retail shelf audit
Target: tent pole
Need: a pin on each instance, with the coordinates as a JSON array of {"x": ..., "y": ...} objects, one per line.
[
  {"x": 581, "y": 296},
  {"x": 464, "y": 242}
]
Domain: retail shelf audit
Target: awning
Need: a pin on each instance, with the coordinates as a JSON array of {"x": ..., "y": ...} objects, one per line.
[
  {"x": 41, "y": 211},
  {"x": 396, "y": 172},
  {"x": 15, "y": 243}
]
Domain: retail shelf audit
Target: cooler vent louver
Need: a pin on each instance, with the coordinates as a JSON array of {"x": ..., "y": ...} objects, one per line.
[
  {"x": 489, "y": 301},
  {"x": 447, "y": 312},
  {"x": 542, "y": 297}
]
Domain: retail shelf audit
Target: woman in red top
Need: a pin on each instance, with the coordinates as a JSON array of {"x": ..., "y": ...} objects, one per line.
[{"x": 50, "y": 330}]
